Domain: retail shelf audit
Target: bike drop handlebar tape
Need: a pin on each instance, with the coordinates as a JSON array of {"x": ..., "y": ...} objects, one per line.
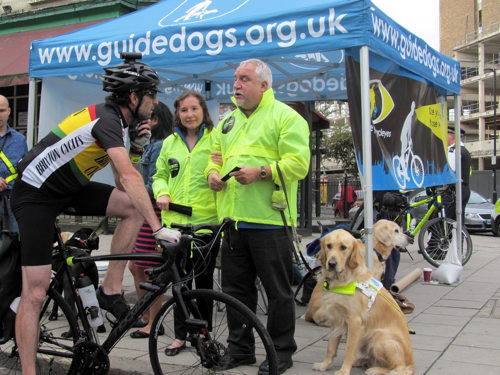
[
  {"x": 185, "y": 210},
  {"x": 171, "y": 250}
]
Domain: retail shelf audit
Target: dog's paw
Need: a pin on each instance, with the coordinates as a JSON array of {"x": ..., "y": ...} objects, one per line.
[
  {"x": 375, "y": 371},
  {"x": 342, "y": 372},
  {"x": 322, "y": 366}
]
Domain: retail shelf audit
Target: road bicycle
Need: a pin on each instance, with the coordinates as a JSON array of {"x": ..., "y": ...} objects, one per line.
[
  {"x": 81, "y": 351},
  {"x": 435, "y": 234}
]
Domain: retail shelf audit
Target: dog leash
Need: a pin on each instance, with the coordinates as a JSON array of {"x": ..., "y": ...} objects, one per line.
[
  {"x": 396, "y": 307},
  {"x": 291, "y": 230}
]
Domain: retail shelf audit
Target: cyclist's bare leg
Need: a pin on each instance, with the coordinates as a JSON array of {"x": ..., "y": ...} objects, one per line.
[
  {"x": 36, "y": 281},
  {"x": 121, "y": 206},
  {"x": 152, "y": 311}
]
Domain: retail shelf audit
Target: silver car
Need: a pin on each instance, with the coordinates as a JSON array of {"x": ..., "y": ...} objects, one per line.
[{"x": 477, "y": 211}]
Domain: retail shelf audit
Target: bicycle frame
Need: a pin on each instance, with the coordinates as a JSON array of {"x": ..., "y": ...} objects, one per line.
[
  {"x": 136, "y": 311},
  {"x": 169, "y": 275},
  {"x": 436, "y": 203}
]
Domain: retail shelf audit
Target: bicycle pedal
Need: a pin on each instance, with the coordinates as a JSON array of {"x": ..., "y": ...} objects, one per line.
[{"x": 113, "y": 322}]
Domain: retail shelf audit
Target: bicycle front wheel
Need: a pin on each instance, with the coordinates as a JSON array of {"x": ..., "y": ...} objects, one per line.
[
  {"x": 54, "y": 354},
  {"x": 207, "y": 337},
  {"x": 435, "y": 238}
]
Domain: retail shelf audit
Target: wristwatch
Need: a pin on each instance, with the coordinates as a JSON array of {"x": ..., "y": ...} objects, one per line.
[{"x": 263, "y": 173}]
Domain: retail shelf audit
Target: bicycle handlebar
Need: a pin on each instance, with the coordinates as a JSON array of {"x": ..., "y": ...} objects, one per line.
[
  {"x": 190, "y": 233},
  {"x": 170, "y": 250}
]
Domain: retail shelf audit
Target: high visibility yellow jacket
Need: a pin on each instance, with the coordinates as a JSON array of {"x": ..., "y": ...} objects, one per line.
[
  {"x": 180, "y": 176},
  {"x": 274, "y": 132}
]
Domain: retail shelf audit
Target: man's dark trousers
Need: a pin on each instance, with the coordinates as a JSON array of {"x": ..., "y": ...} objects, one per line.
[{"x": 266, "y": 253}]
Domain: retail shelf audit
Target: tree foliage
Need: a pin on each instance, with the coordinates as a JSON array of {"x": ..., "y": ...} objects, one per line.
[{"x": 337, "y": 141}]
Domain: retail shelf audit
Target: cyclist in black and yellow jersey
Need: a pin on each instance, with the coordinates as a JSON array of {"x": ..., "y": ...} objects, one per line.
[{"x": 55, "y": 174}]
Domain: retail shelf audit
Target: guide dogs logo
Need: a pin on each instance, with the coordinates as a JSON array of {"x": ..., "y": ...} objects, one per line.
[
  {"x": 174, "y": 166},
  {"x": 192, "y": 11},
  {"x": 228, "y": 125}
]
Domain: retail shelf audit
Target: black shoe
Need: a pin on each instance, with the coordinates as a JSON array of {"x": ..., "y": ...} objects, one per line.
[
  {"x": 67, "y": 334},
  {"x": 101, "y": 328},
  {"x": 229, "y": 361},
  {"x": 139, "y": 323},
  {"x": 139, "y": 335},
  {"x": 114, "y": 303},
  {"x": 143, "y": 335},
  {"x": 283, "y": 365},
  {"x": 174, "y": 351}
]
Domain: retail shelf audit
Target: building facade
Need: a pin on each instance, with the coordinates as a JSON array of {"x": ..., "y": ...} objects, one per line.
[
  {"x": 470, "y": 33},
  {"x": 22, "y": 21}
]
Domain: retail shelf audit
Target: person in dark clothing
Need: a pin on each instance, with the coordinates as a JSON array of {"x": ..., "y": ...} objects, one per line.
[{"x": 465, "y": 165}]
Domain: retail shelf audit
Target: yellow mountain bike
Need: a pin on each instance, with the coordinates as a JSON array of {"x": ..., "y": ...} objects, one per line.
[{"x": 435, "y": 234}]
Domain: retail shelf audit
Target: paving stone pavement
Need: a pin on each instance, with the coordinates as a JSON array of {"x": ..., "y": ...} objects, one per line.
[{"x": 457, "y": 327}]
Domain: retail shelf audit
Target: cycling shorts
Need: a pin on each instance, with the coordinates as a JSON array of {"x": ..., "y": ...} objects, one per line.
[{"x": 36, "y": 211}]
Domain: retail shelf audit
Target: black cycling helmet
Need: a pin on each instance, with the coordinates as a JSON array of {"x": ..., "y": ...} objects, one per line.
[{"x": 130, "y": 76}]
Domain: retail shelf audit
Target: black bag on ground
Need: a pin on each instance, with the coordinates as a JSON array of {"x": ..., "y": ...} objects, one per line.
[
  {"x": 80, "y": 245},
  {"x": 307, "y": 285},
  {"x": 10, "y": 289},
  {"x": 81, "y": 240}
]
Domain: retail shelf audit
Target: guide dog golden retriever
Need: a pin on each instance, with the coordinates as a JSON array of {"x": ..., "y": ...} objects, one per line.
[
  {"x": 386, "y": 235},
  {"x": 377, "y": 336}
]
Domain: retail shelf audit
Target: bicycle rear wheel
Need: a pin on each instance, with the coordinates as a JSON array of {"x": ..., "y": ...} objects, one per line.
[
  {"x": 55, "y": 351},
  {"x": 435, "y": 238},
  {"x": 205, "y": 347}
]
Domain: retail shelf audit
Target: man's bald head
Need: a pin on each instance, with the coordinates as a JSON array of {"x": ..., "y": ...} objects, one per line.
[{"x": 4, "y": 113}]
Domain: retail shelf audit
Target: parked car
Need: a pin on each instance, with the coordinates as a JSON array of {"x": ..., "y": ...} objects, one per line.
[
  {"x": 477, "y": 212},
  {"x": 495, "y": 219}
]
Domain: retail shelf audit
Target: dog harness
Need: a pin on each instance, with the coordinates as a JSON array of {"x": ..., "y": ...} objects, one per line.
[
  {"x": 379, "y": 256},
  {"x": 369, "y": 288}
]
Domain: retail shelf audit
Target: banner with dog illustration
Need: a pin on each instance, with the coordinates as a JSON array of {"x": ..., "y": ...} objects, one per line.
[{"x": 408, "y": 127}]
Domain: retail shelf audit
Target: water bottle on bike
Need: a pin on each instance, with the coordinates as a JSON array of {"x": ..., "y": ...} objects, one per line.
[{"x": 88, "y": 296}]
